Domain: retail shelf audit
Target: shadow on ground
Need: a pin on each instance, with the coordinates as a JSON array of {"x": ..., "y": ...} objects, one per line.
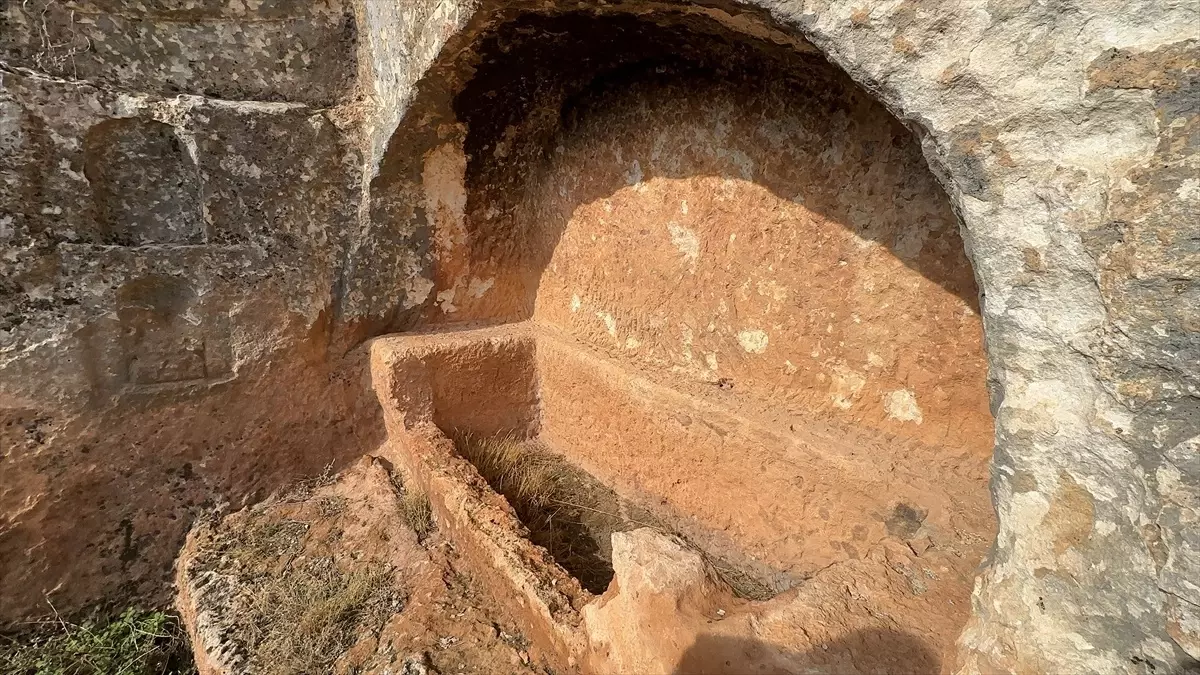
[{"x": 885, "y": 652}]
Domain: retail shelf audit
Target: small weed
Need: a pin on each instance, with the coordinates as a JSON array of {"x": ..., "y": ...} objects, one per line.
[
  {"x": 417, "y": 513},
  {"x": 134, "y": 643}
]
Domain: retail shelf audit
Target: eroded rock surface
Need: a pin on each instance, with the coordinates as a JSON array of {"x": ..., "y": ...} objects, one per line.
[
  {"x": 893, "y": 551},
  {"x": 165, "y": 321},
  {"x": 204, "y": 208}
]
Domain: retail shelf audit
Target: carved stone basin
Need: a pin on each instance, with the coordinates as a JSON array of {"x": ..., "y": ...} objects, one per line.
[{"x": 862, "y": 538}]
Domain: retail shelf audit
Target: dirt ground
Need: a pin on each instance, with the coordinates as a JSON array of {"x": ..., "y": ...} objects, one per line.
[{"x": 334, "y": 577}]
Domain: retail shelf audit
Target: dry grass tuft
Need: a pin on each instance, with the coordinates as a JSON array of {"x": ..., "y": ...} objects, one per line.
[
  {"x": 742, "y": 584},
  {"x": 302, "y": 620},
  {"x": 300, "y": 610},
  {"x": 417, "y": 513},
  {"x": 567, "y": 512},
  {"x": 329, "y": 507},
  {"x": 304, "y": 489},
  {"x": 262, "y": 543},
  {"x": 516, "y": 469}
]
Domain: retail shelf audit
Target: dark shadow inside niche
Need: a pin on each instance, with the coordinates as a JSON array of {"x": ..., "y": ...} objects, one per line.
[
  {"x": 145, "y": 185},
  {"x": 573, "y": 515},
  {"x": 546, "y": 85}
]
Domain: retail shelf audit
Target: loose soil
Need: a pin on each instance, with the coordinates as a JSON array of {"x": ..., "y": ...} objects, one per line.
[{"x": 334, "y": 578}]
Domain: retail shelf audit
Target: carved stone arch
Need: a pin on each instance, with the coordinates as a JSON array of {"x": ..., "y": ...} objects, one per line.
[
  {"x": 716, "y": 237},
  {"x": 1073, "y": 424}
]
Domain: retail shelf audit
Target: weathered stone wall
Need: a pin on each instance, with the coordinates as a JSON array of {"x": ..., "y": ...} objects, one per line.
[
  {"x": 266, "y": 50},
  {"x": 167, "y": 333},
  {"x": 150, "y": 358}
]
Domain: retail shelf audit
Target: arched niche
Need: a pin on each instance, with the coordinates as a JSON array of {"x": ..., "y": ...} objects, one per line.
[{"x": 750, "y": 308}]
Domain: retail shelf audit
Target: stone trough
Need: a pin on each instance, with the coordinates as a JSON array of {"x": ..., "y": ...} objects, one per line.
[{"x": 882, "y": 584}]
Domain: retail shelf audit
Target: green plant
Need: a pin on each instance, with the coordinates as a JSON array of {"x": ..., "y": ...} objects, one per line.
[{"x": 133, "y": 643}]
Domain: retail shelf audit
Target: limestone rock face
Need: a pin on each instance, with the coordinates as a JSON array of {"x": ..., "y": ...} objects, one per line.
[
  {"x": 207, "y": 207},
  {"x": 165, "y": 324}
]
